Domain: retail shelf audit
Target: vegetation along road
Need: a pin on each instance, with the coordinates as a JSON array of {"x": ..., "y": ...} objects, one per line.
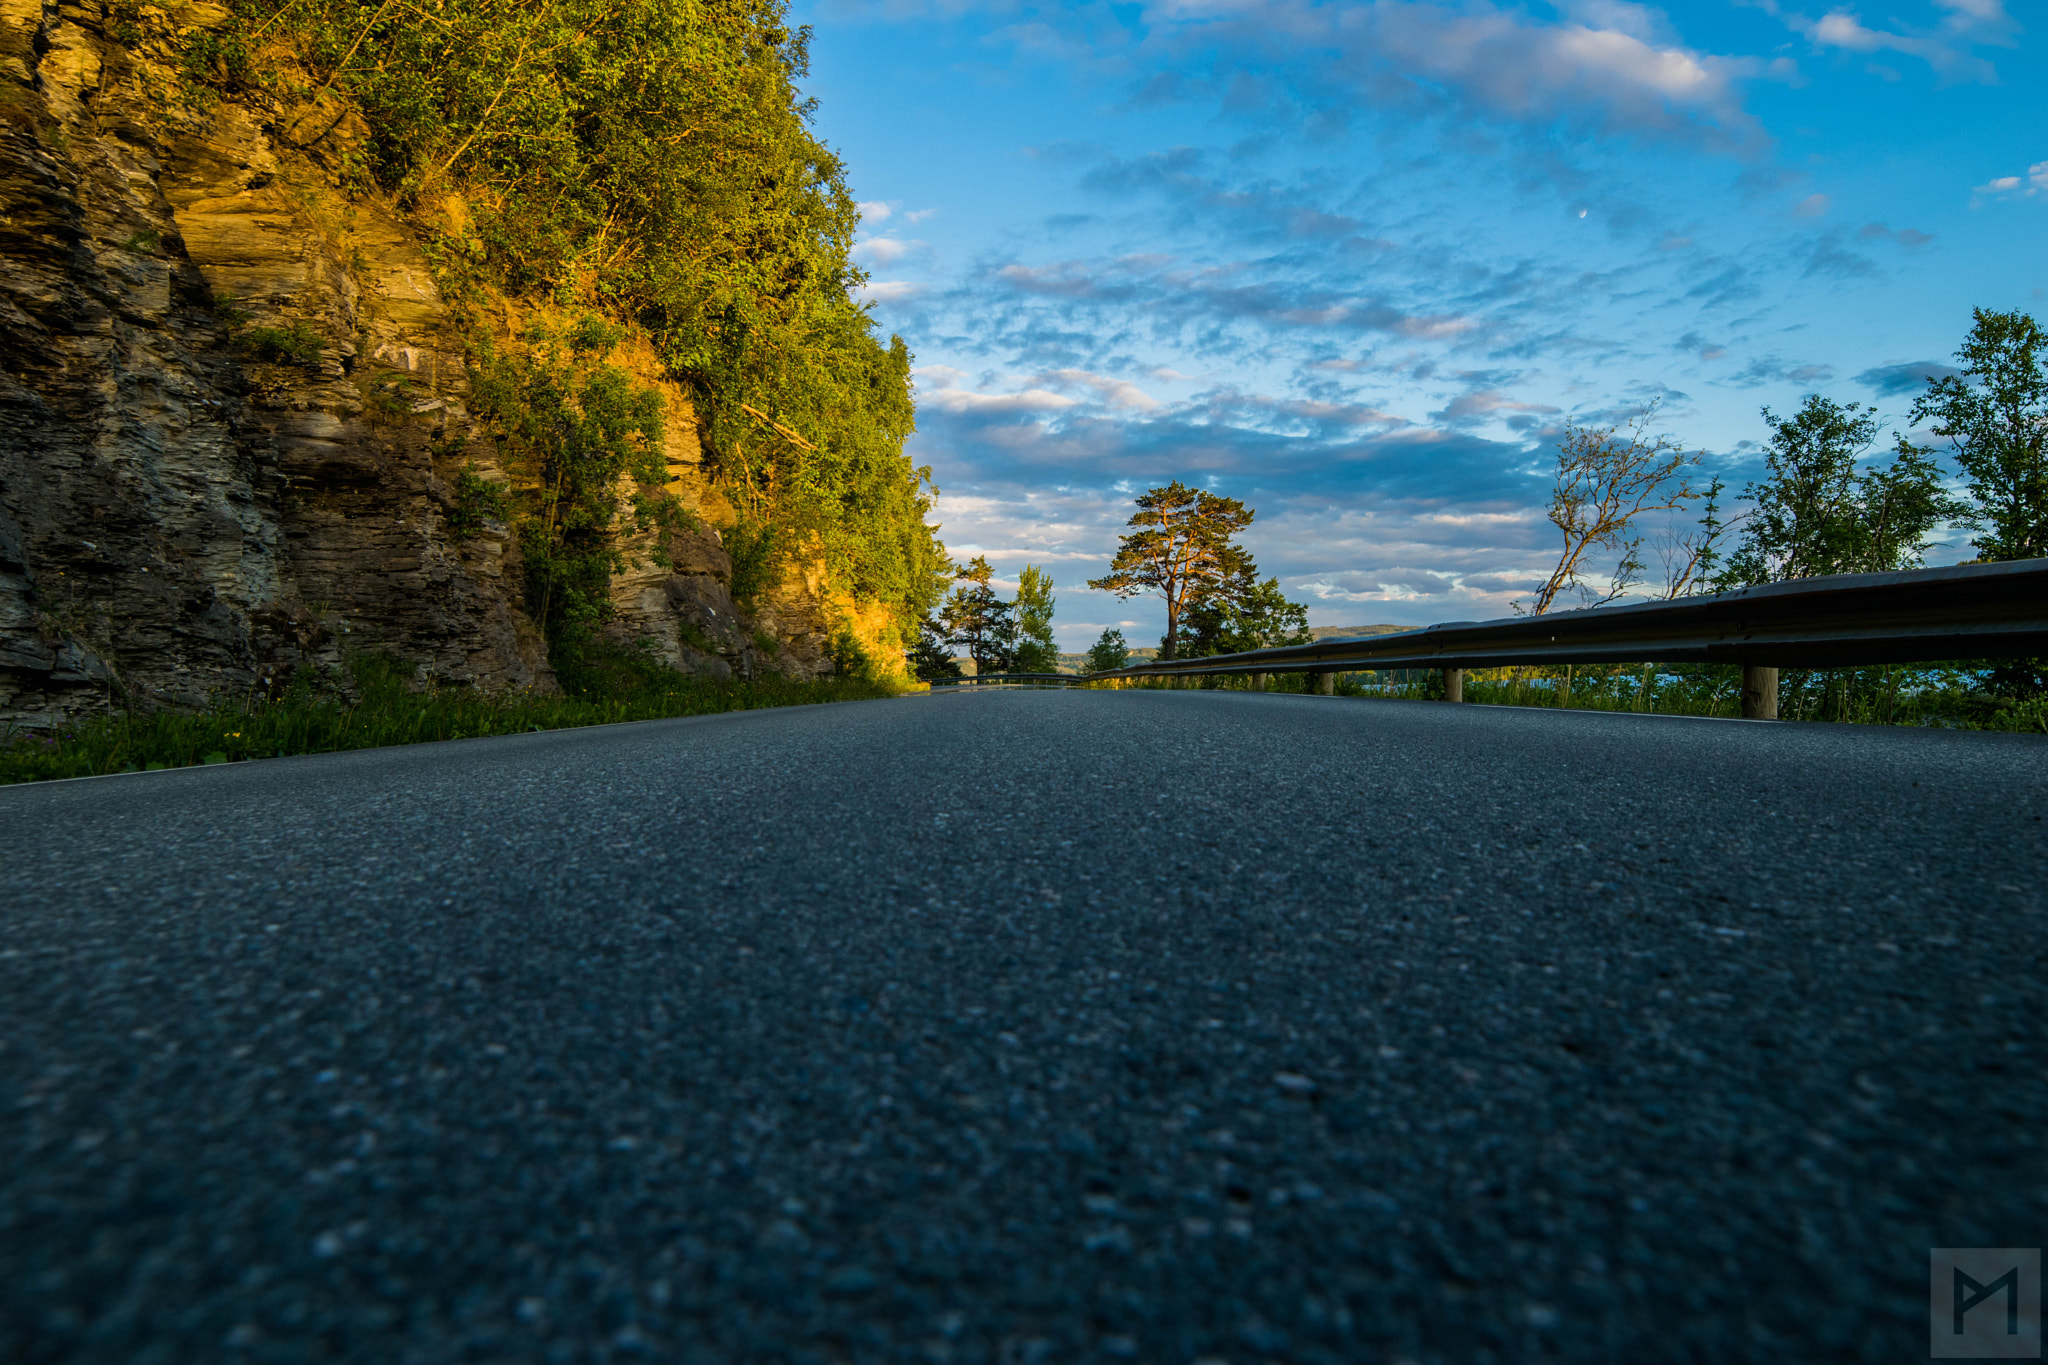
[{"x": 1026, "y": 1026}]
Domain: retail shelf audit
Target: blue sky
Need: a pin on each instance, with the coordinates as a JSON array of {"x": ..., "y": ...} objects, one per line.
[{"x": 1356, "y": 263}]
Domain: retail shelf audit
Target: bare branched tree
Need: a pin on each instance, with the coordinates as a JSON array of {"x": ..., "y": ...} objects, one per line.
[
  {"x": 1690, "y": 559},
  {"x": 1608, "y": 478}
]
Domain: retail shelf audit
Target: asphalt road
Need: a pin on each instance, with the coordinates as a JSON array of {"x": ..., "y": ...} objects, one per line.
[{"x": 1025, "y": 1027}]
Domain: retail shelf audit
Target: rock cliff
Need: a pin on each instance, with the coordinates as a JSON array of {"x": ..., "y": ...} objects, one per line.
[{"x": 233, "y": 411}]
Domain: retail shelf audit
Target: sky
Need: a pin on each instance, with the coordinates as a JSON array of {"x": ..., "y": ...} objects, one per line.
[{"x": 1358, "y": 264}]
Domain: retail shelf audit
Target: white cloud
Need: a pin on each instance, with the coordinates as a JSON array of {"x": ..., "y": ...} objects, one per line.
[
  {"x": 2029, "y": 186},
  {"x": 886, "y": 251},
  {"x": 940, "y": 386},
  {"x": 1610, "y": 62},
  {"x": 1118, "y": 393},
  {"x": 1946, "y": 48},
  {"x": 889, "y": 291},
  {"x": 1812, "y": 206},
  {"x": 875, "y": 210}
]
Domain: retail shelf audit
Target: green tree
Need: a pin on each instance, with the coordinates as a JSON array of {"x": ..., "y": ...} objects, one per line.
[
  {"x": 1183, "y": 548},
  {"x": 1036, "y": 651},
  {"x": 1108, "y": 653},
  {"x": 1244, "y": 614},
  {"x": 1816, "y": 512},
  {"x": 931, "y": 658},
  {"x": 1995, "y": 417},
  {"x": 977, "y": 618},
  {"x": 576, "y": 426}
]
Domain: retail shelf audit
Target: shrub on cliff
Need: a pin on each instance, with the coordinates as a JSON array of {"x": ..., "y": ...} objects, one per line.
[{"x": 655, "y": 159}]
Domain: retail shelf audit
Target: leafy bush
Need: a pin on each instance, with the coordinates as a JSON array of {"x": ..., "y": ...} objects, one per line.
[
  {"x": 576, "y": 425},
  {"x": 850, "y": 659},
  {"x": 477, "y": 500},
  {"x": 225, "y": 307},
  {"x": 753, "y": 547},
  {"x": 294, "y": 345}
]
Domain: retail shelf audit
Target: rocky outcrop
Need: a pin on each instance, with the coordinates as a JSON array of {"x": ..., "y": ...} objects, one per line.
[
  {"x": 223, "y": 426},
  {"x": 233, "y": 412}
]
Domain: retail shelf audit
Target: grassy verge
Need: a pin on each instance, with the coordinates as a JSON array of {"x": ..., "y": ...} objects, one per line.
[
  {"x": 384, "y": 711},
  {"x": 1947, "y": 696}
]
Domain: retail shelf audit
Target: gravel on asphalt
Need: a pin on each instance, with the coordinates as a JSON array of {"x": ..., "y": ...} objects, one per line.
[{"x": 1026, "y": 1026}]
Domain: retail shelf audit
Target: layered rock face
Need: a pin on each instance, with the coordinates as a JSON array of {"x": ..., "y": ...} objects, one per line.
[{"x": 233, "y": 412}]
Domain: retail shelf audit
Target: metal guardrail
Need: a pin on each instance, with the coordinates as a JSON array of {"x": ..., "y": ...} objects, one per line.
[{"x": 1967, "y": 611}]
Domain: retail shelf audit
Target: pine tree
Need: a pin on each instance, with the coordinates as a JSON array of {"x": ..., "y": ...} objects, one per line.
[
  {"x": 931, "y": 658},
  {"x": 975, "y": 617},
  {"x": 1183, "y": 548},
  {"x": 1108, "y": 653}
]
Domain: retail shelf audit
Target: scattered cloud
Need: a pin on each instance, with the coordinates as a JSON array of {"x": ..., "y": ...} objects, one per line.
[
  {"x": 1484, "y": 405},
  {"x": 1117, "y": 393},
  {"x": 890, "y": 291},
  {"x": 1372, "y": 329},
  {"x": 1611, "y": 68},
  {"x": 1947, "y": 47},
  {"x": 1829, "y": 256},
  {"x": 1890, "y": 381},
  {"x": 1225, "y": 294},
  {"x": 1905, "y": 237},
  {"x": 1772, "y": 370},
  {"x": 1692, "y": 343},
  {"x": 883, "y": 252},
  {"x": 2032, "y": 184},
  {"x": 942, "y": 387}
]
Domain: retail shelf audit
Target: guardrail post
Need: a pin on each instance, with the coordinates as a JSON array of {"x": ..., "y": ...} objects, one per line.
[
  {"x": 1326, "y": 684},
  {"x": 1759, "y": 693},
  {"x": 1258, "y": 682},
  {"x": 1454, "y": 684}
]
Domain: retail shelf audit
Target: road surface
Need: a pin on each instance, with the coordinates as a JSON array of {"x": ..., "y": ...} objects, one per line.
[{"x": 1021, "y": 1027}]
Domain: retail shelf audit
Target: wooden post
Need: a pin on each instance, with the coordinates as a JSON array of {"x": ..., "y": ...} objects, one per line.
[
  {"x": 1454, "y": 684},
  {"x": 1326, "y": 684},
  {"x": 1258, "y": 682},
  {"x": 1759, "y": 692}
]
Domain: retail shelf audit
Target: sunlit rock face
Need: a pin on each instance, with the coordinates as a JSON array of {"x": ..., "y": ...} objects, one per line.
[{"x": 186, "y": 517}]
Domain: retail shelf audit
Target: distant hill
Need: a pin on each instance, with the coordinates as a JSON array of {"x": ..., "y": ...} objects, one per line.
[
  {"x": 1078, "y": 663},
  {"x": 1345, "y": 632}
]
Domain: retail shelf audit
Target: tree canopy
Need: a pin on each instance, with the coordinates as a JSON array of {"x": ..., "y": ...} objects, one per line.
[
  {"x": 1182, "y": 547},
  {"x": 1036, "y": 650},
  {"x": 1245, "y": 614},
  {"x": 1995, "y": 417},
  {"x": 1108, "y": 652},
  {"x": 652, "y": 159},
  {"x": 1818, "y": 512},
  {"x": 981, "y": 621}
]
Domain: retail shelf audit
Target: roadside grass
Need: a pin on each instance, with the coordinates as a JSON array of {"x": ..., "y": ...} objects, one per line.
[
  {"x": 1946, "y": 696},
  {"x": 380, "y": 709}
]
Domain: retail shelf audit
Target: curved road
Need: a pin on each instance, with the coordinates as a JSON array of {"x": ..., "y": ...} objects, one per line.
[{"x": 1025, "y": 1027}]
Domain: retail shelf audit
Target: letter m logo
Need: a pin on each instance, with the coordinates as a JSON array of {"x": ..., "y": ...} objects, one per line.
[
  {"x": 1967, "y": 1288},
  {"x": 1969, "y": 1294}
]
